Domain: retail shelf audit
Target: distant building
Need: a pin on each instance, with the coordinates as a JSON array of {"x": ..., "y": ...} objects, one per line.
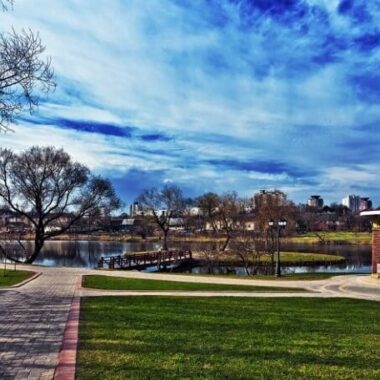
[
  {"x": 194, "y": 211},
  {"x": 352, "y": 202},
  {"x": 315, "y": 201},
  {"x": 135, "y": 209},
  {"x": 365, "y": 203},
  {"x": 129, "y": 225},
  {"x": 269, "y": 197}
]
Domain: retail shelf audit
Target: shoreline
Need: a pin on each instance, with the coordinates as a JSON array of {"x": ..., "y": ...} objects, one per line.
[{"x": 345, "y": 238}]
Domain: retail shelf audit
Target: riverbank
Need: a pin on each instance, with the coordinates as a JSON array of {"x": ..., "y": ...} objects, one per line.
[
  {"x": 90, "y": 237},
  {"x": 287, "y": 259},
  {"x": 320, "y": 238},
  {"x": 323, "y": 238}
]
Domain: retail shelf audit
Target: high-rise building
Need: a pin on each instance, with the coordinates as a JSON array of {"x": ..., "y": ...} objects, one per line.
[
  {"x": 356, "y": 203},
  {"x": 315, "y": 201},
  {"x": 352, "y": 202},
  {"x": 365, "y": 203},
  {"x": 269, "y": 197}
]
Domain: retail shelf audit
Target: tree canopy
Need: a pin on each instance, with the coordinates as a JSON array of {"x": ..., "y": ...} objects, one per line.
[{"x": 45, "y": 186}]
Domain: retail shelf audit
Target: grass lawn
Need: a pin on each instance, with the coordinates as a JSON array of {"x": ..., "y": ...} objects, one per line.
[
  {"x": 11, "y": 277},
  {"x": 333, "y": 237},
  {"x": 228, "y": 338},
  {"x": 120, "y": 283}
]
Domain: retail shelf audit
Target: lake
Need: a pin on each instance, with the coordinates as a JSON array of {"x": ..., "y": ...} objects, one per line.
[{"x": 85, "y": 253}]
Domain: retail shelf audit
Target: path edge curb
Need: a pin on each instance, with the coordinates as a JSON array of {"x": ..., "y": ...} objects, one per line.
[{"x": 66, "y": 368}]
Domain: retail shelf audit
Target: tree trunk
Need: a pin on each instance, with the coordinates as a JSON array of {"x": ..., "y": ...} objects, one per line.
[
  {"x": 38, "y": 244},
  {"x": 241, "y": 254},
  {"x": 272, "y": 263},
  {"x": 165, "y": 244},
  {"x": 226, "y": 242}
]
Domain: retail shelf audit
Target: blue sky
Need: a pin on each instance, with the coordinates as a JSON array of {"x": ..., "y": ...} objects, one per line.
[{"x": 213, "y": 95}]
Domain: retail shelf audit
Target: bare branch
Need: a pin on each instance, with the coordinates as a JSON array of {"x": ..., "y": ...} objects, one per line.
[
  {"x": 163, "y": 205},
  {"x": 25, "y": 75},
  {"x": 6, "y": 5}
]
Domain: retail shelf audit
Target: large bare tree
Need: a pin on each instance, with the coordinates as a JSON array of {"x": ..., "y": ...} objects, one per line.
[
  {"x": 53, "y": 192},
  {"x": 163, "y": 205},
  {"x": 25, "y": 73},
  {"x": 249, "y": 249}
]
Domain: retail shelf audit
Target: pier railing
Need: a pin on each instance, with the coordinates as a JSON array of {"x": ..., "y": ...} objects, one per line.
[{"x": 145, "y": 259}]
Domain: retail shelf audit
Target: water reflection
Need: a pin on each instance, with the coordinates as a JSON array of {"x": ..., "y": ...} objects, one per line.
[
  {"x": 83, "y": 253},
  {"x": 342, "y": 268}
]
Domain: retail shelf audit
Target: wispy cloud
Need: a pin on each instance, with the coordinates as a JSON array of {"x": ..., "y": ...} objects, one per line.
[{"x": 214, "y": 95}]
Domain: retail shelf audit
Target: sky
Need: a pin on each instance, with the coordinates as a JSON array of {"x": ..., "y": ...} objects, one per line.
[{"x": 211, "y": 95}]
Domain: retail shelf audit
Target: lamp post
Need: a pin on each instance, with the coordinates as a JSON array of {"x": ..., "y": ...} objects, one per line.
[{"x": 279, "y": 225}]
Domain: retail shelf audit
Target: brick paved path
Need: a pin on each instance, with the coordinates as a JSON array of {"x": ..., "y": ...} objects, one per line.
[{"x": 32, "y": 322}]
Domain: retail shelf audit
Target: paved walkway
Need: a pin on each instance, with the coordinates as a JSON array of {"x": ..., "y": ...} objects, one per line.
[
  {"x": 33, "y": 316},
  {"x": 32, "y": 322}
]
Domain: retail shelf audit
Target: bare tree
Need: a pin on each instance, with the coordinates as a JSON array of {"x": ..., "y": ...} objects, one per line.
[
  {"x": 163, "y": 206},
  {"x": 51, "y": 191},
  {"x": 249, "y": 248},
  {"x": 208, "y": 204},
  {"x": 273, "y": 206},
  {"x": 24, "y": 73},
  {"x": 230, "y": 210},
  {"x": 209, "y": 257}
]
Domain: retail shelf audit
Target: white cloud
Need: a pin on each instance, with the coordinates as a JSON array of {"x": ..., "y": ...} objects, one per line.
[{"x": 261, "y": 90}]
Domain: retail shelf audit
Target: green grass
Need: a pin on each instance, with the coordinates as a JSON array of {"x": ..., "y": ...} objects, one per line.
[
  {"x": 287, "y": 258},
  {"x": 333, "y": 237},
  {"x": 11, "y": 277},
  {"x": 301, "y": 257},
  {"x": 228, "y": 338},
  {"x": 121, "y": 283}
]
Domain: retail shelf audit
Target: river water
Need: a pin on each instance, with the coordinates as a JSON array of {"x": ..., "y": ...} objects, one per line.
[{"x": 87, "y": 254}]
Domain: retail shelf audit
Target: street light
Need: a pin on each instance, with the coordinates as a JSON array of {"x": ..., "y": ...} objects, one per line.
[{"x": 279, "y": 225}]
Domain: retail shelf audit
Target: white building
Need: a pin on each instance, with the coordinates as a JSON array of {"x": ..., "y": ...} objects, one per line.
[
  {"x": 352, "y": 202},
  {"x": 315, "y": 201}
]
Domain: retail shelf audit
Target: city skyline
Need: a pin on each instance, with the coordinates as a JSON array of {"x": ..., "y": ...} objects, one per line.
[{"x": 212, "y": 95}]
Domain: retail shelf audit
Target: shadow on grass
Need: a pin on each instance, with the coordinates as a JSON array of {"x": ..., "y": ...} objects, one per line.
[{"x": 228, "y": 338}]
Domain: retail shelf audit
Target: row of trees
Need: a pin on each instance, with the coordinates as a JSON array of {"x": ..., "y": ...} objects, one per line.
[
  {"x": 232, "y": 217},
  {"x": 54, "y": 193},
  {"x": 225, "y": 215}
]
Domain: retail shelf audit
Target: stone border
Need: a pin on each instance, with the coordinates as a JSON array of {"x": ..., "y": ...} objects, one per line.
[{"x": 68, "y": 354}]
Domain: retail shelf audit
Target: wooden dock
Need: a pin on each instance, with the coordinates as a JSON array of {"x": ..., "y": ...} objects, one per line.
[{"x": 145, "y": 259}]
